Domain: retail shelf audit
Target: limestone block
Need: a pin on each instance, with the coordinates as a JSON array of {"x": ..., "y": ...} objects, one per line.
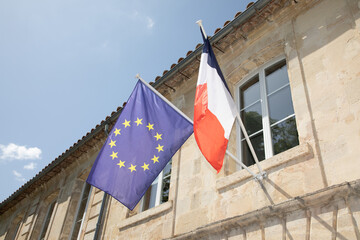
[
  {"x": 98, "y": 197},
  {"x": 296, "y": 226},
  {"x": 89, "y": 235},
  {"x": 236, "y": 234},
  {"x": 322, "y": 223},
  {"x": 254, "y": 231},
  {"x": 345, "y": 226},
  {"x": 273, "y": 229}
]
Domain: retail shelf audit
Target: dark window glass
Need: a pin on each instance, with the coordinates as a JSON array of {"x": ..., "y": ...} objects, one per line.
[
  {"x": 250, "y": 92},
  {"x": 276, "y": 76},
  {"x": 284, "y": 135},
  {"x": 280, "y": 105},
  {"x": 258, "y": 144},
  {"x": 250, "y": 106},
  {"x": 166, "y": 183}
]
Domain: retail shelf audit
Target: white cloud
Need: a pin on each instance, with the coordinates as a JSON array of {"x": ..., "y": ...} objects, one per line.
[
  {"x": 150, "y": 23},
  {"x": 30, "y": 166},
  {"x": 15, "y": 152},
  {"x": 18, "y": 176}
]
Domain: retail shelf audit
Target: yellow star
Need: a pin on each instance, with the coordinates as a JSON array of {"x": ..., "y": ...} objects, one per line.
[
  {"x": 114, "y": 155},
  {"x": 132, "y": 168},
  {"x": 121, "y": 164},
  {"x": 112, "y": 144},
  {"x": 117, "y": 132},
  {"x": 150, "y": 126},
  {"x": 126, "y": 123},
  {"x": 145, "y": 166},
  {"x": 158, "y": 136},
  {"x": 138, "y": 121},
  {"x": 155, "y": 159},
  {"x": 160, "y": 148}
]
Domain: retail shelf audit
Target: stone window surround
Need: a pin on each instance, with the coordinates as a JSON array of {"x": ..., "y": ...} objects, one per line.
[
  {"x": 266, "y": 127},
  {"x": 78, "y": 208},
  {"x": 142, "y": 216},
  {"x": 303, "y": 150}
]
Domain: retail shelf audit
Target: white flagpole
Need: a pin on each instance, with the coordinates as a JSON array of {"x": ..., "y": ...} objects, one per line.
[
  {"x": 258, "y": 177},
  {"x": 238, "y": 118}
]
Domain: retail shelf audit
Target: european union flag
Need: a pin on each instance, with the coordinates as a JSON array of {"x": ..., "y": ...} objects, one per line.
[{"x": 146, "y": 135}]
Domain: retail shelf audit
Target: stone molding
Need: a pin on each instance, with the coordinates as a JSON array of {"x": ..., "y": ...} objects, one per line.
[
  {"x": 146, "y": 215},
  {"x": 302, "y": 151},
  {"x": 304, "y": 202}
]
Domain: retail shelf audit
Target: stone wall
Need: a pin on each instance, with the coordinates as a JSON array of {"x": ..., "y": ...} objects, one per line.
[{"x": 312, "y": 190}]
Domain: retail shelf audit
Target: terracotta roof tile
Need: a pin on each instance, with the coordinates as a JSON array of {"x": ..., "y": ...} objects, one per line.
[
  {"x": 216, "y": 30},
  {"x": 43, "y": 171}
]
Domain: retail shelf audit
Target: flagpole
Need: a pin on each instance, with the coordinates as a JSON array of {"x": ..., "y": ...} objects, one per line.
[
  {"x": 199, "y": 22},
  {"x": 262, "y": 173},
  {"x": 257, "y": 177},
  {"x": 163, "y": 98}
]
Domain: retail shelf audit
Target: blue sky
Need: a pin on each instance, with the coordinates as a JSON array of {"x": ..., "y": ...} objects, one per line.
[{"x": 66, "y": 65}]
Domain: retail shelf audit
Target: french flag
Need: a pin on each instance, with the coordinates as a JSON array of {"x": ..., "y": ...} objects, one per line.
[{"x": 214, "y": 109}]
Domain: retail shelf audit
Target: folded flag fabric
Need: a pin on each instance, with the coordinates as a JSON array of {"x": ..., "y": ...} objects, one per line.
[
  {"x": 214, "y": 109},
  {"x": 146, "y": 135}
]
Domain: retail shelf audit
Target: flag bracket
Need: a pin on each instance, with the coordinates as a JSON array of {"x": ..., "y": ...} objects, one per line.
[{"x": 106, "y": 129}]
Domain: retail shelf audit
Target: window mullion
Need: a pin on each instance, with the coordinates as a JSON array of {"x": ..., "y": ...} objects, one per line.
[
  {"x": 159, "y": 188},
  {"x": 266, "y": 119}
]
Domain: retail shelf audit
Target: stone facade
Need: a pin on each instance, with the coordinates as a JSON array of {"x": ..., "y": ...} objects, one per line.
[{"x": 312, "y": 191}]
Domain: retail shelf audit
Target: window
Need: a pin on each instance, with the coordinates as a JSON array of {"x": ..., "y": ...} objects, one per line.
[
  {"x": 267, "y": 112},
  {"x": 16, "y": 229},
  {"x": 158, "y": 192},
  {"x": 81, "y": 211},
  {"x": 47, "y": 220}
]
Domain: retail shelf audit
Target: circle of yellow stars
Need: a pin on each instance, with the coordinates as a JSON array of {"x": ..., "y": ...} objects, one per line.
[{"x": 150, "y": 127}]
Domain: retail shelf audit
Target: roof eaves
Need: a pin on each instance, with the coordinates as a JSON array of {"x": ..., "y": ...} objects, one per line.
[{"x": 240, "y": 19}]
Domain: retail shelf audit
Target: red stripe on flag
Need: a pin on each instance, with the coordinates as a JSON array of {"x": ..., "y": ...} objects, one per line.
[{"x": 209, "y": 133}]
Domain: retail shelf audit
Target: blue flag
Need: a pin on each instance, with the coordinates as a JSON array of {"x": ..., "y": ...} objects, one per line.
[{"x": 146, "y": 135}]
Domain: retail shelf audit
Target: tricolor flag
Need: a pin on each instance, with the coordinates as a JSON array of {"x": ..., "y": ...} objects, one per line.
[{"x": 214, "y": 109}]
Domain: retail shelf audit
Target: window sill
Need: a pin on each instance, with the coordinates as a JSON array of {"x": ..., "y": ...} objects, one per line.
[
  {"x": 151, "y": 213},
  {"x": 300, "y": 151}
]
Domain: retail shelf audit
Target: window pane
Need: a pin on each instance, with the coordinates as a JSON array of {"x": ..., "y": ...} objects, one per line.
[
  {"x": 165, "y": 190},
  {"x": 250, "y": 92},
  {"x": 81, "y": 211},
  {"x": 284, "y": 135},
  {"x": 258, "y": 145},
  {"x": 276, "y": 76},
  {"x": 167, "y": 169},
  {"x": 150, "y": 197},
  {"x": 252, "y": 118},
  {"x": 280, "y": 105},
  {"x": 166, "y": 183},
  {"x": 47, "y": 220}
]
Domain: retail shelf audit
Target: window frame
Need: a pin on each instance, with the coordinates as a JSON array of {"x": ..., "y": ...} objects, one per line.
[
  {"x": 158, "y": 190},
  {"x": 266, "y": 125},
  {"x": 78, "y": 209},
  {"x": 47, "y": 231}
]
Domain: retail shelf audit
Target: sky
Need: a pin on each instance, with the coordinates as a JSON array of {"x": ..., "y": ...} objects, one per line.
[{"x": 66, "y": 65}]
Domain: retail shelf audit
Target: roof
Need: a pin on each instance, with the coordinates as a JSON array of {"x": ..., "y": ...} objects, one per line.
[{"x": 243, "y": 23}]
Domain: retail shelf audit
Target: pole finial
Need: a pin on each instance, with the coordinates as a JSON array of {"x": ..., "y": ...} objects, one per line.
[
  {"x": 137, "y": 76},
  {"x": 199, "y": 22}
]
